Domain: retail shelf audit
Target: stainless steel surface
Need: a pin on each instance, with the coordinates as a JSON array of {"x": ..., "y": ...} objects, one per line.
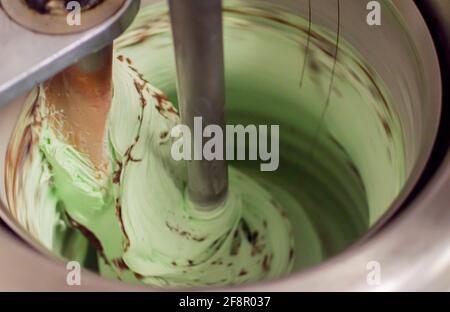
[
  {"x": 30, "y": 58},
  {"x": 198, "y": 42},
  {"x": 55, "y": 21},
  {"x": 94, "y": 61},
  {"x": 413, "y": 248}
]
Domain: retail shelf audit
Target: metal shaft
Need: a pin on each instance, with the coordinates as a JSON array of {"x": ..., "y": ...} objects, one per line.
[{"x": 198, "y": 40}]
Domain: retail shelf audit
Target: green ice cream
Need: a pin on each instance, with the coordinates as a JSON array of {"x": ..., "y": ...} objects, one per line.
[
  {"x": 331, "y": 185},
  {"x": 138, "y": 218}
]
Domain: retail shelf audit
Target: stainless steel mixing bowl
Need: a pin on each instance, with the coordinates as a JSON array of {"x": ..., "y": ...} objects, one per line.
[{"x": 412, "y": 240}]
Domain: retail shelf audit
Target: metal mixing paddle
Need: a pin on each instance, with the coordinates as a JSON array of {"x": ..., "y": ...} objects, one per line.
[{"x": 198, "y": 40}]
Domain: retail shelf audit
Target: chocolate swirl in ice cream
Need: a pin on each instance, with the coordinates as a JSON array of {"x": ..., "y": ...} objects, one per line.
[{"x": 136, "y": 215}]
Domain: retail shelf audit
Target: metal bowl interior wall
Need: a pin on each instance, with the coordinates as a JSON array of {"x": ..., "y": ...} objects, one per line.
[{"x": 411, "y": 57}]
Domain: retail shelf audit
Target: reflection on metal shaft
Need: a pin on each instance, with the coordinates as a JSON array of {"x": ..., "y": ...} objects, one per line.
[{"x": 198, "y": 40}]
